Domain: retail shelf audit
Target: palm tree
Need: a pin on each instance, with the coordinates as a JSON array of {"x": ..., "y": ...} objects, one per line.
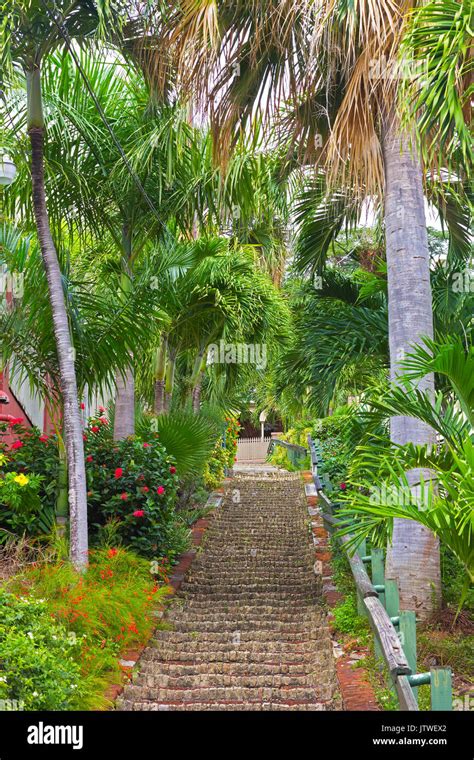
[
  {"x": 214, "y": 292},
  {"x": 105, "y": 326},
  {"x": 444, "y": 503},
  {"x": 327, "y": 60},
  {"x": 28, "y": 34}
]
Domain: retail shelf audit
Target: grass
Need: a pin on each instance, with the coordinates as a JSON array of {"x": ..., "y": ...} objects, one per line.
[{"x": 108, "y": 609}]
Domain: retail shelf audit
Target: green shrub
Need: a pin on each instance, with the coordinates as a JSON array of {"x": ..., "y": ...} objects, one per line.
[
  {"x": 39, "y": 660},
  {"x": 347, "y": 619}
]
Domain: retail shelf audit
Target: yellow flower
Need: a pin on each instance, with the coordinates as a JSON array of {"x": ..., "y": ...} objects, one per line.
[
  {"x": 3, "y": 459},
  {"x": 22, "y": 480}
]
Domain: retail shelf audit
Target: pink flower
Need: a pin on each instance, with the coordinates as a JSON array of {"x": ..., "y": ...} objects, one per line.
[
  {"x": 118, "y": 473},
  {"x": 139, "y": 513},
  {"x": 94, "y": 429},
  {"x": 342, "y": 486},
  {"x": 124, "y": 496},
  {"x": 89, "y": 458},
  {"x": 160, "y": 490},
  {"x": 172, "y": 469},
  {"x": 146, "y": 445},
  {"x": 145, "y": 489},
  {"x": 103, "y": 420},
  {"x": 83, "y": 406},
  {"x": 102, "y": 409},
  {"x": 43, "y": 438},
  {"x": 17, "y": 444}
]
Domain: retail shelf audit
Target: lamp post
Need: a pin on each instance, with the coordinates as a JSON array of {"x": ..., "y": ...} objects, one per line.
[
  {"x": 262, "y": 418},
  {"x": 7, "y": 170}
]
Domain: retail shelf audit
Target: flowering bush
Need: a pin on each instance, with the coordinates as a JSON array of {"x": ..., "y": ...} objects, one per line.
[
  {"x": 19, "y": 495},
  {"x": 222, "y": 455},
  {"x": 29, "y": 471},
  {"x": 134, "y": 483},
  {"x": 231, "y": 439},
  {"x": 89, "y": 620}
]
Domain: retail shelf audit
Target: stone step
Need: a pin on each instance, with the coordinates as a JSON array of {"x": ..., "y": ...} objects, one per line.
[
  {"x": 222, "y": 694},
  {"x": 311, "y": 597},
  {"x": 240, "y": 616},
  {"x": 235, "y": 669},
  {"x": 253, "y": 634},
  {"x": 159, "y": 681},
  {"x": 224, "y": 655},
  {"x": 234, "y": 706}
]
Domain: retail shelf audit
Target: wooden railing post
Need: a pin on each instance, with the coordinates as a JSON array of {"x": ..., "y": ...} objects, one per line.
[{"x": 361, "y": 551}]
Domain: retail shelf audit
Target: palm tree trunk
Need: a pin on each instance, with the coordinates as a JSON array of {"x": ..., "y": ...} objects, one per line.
[
  {"x": 196, "y": 380},
  {"x": 160, "y": 370},
  {"x": 169, "y": 382},
  {"x": 72, "y": 419},
  {"x": 159, "y": 403},
  {"x": 124, "y": 419},
  {"x": 413, "y": 558}
]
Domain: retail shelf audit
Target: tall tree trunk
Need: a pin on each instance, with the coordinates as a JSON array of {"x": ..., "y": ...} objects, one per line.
[
  {"x": 124, "y": 420},
  {"x": 159, "y": 403},
  {"x": 196, "y": 380},
  {"x": 169, "y": 382},
  {"x": 413, "y": 558},
  {"x": 72, "y": 418},
  {"x": 197, "y": 398},
  {"x": 160, "y": 370}
]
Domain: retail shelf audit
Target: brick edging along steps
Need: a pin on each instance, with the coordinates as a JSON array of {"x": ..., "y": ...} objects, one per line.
[
  {"x": 356, "y": 690},
  {"x": 130, "y": 658}
]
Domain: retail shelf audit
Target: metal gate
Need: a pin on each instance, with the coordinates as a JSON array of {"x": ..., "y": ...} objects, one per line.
[{"x": 252, "y": 449}]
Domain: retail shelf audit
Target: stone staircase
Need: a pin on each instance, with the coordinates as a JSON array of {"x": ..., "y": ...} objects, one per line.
[{"x": 247, "y": 630}]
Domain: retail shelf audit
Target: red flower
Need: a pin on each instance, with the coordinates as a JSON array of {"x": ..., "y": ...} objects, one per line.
[
  {"x": 89, "y": 458},
  {"x": 43, "y": 438},
  {"x": 342, "y": 486},
  {"x": 112, "y": 553},
  {"x": 103, "y": 420},
  {"x": 160, "y": 490},
  {"x": 83, "y": 406},
  {"x": 17, "y": 444},
  {"x": 172, "y": 469},
  {"x": 145, "y": 489},
  {"x": 146, "y": 445},
  {"x": 139, "y": 513},
  {"x": 15, "y": 421},
  {"x": 101, "y": 409},
  {"x": 118, "y": 473},
  {"x": 84, "y": 437},
  {"x": 94, "y": 429},
  {"x": 124, "y": 496}
]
